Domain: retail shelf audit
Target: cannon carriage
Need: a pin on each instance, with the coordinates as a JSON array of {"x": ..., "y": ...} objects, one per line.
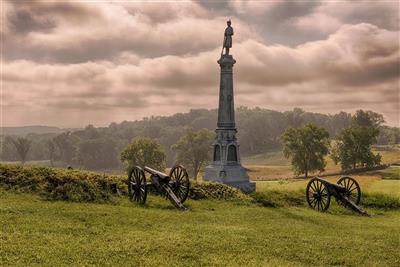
[
  {"x": 346, "y": 191},
  {"x": 174, "y": 186}
]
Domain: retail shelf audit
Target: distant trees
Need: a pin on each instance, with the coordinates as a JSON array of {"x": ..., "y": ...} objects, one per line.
[
  {"x": 144, "y": 152},
  {"x": 99, "y": 153},
  {"x": 307, "y": 147},
  {"x": 193, "y": 149},
  {"x": 259, "y": 131},
  {"x": 352, "y": 147},
  {"x": 51, "y": 150},
  {"x": 22, "y": 146},
  {"x": 66, "y": 145}
]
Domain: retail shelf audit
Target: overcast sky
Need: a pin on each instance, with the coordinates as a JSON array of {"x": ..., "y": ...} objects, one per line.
[{"x": 75, "y": 63}]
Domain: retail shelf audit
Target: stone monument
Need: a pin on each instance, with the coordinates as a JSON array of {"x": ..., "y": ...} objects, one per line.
[{"x": 225, "y": 166}]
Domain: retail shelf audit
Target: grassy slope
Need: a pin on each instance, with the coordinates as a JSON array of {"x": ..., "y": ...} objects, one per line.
[
  {"x": 274, "y": 166},
  {"x": 38, "y": 232}
]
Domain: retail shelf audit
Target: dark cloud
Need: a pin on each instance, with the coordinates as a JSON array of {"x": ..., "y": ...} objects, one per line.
[{"x": 74, "y": 63}]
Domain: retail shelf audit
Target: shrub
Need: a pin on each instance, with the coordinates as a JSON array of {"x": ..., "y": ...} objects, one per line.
[
  {"x": 61, "y": 184},
  {"x": 211, "y": 190}
]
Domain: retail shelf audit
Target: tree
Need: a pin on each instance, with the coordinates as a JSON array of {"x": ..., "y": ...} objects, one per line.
[
  {"x": 51, "y": 150},
  {"x": 367, "y": 119},
  {"x": 144, "y": 152},
  {"x": 307, "y": 147},
  {"x": 193, "y": 149},
  {"x": 353, "y": 145},
  {"x": 353, "y": 148},
  {"x": 97, "y": 153},
  {"x": 65, "y": 143},
  {"x": 22, "y": 145}
]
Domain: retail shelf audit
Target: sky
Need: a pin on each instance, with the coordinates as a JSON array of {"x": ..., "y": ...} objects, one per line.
[{"x": 74, "y": 63}]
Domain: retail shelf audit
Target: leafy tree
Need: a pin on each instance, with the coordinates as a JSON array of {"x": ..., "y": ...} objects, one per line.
[
  {"x": 51, "y": 149},
  {"x": 367, "y": 119},
  {"x": 8, "y": 151},
  {"x": 307, "y": 147},
  {"x": 353, "y": 145},
  {"x": 97, "y": 153},
  {"x": 144, "y": 152},
  {"x": 353, "y": 148},
  {"x": 22, "y": 145},
  {"x": 193, "y": 149},
  {"x": 66, "y": 145}
]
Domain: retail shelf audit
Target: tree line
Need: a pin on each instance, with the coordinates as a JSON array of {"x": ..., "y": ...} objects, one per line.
[
  {"x": 308, "y": 146},
  {"x": 260, "y": 130}
]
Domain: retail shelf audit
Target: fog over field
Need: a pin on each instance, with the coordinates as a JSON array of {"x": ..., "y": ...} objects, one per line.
[{"x": 74, "y": 63}]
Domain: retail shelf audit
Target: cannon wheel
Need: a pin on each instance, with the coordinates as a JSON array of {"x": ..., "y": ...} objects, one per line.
[
  {"x": 179, "y": 182},
  {"x": 318, "y": 196},
  {"x": 137, "y": 188},
  {"x": 353, "y": 191}
]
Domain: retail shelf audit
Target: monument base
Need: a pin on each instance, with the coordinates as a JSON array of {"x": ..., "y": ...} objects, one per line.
[{"x": 233, "y": 175}]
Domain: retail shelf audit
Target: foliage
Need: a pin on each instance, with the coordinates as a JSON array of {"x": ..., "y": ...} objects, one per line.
[
  {"x": 22, "y": 145},
  {"x": 367, "y": 119},
  {"x": 60, "y": 184},
  {"x": 65, "y": 143},
  {"x": 353, "y": 145},
  {"x": 259, "y": 132},
  {"x": 307, "y": 147},
  {"x": 99, "y": 153},
  {"x": 211, "y": 190},
  {"x": 193, "y": 149},
  {"x": 144, "y": 152},
  {"x": 51, "y": 148}
]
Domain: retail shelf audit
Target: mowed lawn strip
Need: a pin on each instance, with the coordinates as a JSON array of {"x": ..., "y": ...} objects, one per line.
[{"x": 218, "y": 233}]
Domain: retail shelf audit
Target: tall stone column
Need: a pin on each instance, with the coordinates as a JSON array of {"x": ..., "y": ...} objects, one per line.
[{"x": 225, "y": 166}]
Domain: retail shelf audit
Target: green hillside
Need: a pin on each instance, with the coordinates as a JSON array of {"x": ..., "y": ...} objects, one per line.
[{"x": 272, "y": 228}]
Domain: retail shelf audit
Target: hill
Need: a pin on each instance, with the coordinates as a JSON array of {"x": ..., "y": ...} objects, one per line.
[
  {"x": 236, "y": 232},
  {"x": 35, "y": 129},
  {"x": 259, "y": 131}
]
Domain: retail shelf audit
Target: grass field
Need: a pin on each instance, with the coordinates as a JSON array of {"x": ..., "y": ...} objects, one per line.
[
  {"x": 219, "y": 233},
  {"x": 274, "y": 166}
]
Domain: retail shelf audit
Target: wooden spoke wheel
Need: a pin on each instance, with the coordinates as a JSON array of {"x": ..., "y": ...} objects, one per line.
[
  {"x": 353, "y": 191},
  {"x": 179, "y": 182},
  {"x": 318, "y": 195},
  {"x": 137, "y": 187}
]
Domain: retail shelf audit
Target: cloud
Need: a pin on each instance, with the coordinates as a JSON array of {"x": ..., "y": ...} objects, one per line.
[
  {"x": 102, "y": 31},
  {"x": 330, "y": 15},
  {"x": 71, "y": 64}
]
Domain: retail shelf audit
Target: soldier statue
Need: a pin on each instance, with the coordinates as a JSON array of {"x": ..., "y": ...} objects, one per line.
[{"x": 227, "y": 38}]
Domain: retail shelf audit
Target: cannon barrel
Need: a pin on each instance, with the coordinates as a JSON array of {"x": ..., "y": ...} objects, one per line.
[
  {"x": 161, "y": 175},
  {"x": 338, "y": 187}
]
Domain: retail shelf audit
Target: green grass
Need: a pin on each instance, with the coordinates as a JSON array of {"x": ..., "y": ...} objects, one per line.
[
  {"x": 214, "y": 233},
  {"x": 274, "y": 166},
  {"x": 273, "y": 227}
]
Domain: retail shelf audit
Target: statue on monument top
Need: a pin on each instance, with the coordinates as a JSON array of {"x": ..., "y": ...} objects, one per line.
[{"x": 227, "y": 38}]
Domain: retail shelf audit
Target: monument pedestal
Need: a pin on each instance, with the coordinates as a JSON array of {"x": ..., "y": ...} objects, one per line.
[
  {"x": 233, "y": 175},
  {"x": 226, "y": 167}
]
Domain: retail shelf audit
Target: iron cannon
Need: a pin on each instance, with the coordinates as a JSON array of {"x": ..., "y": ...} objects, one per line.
[
  {"x": 346, "y": 191},
  {"x": 174, "y": 186}
]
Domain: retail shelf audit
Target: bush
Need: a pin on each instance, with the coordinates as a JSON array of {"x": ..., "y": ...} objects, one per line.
[
  {"x": 60, "y": 184},
  {"x": 210, "y": 190}
]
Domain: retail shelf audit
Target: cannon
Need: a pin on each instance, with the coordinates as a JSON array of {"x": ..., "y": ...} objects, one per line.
[
  {"x": 346, "y": 191},
  {"x": 174, "y": 186}
]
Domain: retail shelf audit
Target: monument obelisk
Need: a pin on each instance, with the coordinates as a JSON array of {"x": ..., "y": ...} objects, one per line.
[{"x": 225, "y": 166}]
